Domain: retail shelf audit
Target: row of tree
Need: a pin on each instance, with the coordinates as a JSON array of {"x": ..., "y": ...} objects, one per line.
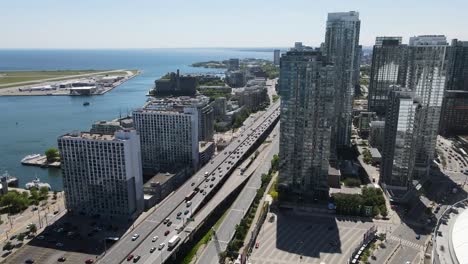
[
  {"x": 358, "y": 204},
  {"x": 14, "y": 202}
]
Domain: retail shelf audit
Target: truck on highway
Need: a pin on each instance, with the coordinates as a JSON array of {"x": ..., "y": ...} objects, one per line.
[
  {"x": 190, "y": 196},
  {"x": 173, "y": 242}
]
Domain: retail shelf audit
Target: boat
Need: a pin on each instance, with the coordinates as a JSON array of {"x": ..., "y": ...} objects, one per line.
[
  {"x": 85, "y": 103},
  {"x": 37, "y": 184},
  {"x": 11, "y": 181},
  {"x": 30, "y": 157}
]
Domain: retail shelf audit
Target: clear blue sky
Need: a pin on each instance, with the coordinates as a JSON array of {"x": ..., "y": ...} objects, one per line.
[{"x": 215, "y": 23}]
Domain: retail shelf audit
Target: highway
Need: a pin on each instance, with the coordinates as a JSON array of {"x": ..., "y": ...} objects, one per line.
[{"x": 216, "y": 171}]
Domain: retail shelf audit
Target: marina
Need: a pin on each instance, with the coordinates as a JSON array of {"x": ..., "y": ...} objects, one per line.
[
  {"x": 40, "y": 161},
  {"x": 37, "y": 184}
]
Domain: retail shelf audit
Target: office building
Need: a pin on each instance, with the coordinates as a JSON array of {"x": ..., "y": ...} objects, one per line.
[
  {"x": 307, "y": 103},
  {"x": 376, "y": 134},
  {"x": 426, "y": 77},
  {"x": 233, "y": 64},
  {"x": 363, "y": 123},
  {"x": 457, "y": 70},
  {"x": 102, "y": 173},
  {"x": 176, "y": 85},
  {"x": 235, "y": 79},
  {"x": 399, "y": 148},
  {"x": 454, "y": 115},
  {"x": 169, "y": 132},
  {"x": 276, "y": 56},
  {"x": 388, "y": 69},
  {"x": 253, "y": 98},
  {"x": 341, "y": 48}
]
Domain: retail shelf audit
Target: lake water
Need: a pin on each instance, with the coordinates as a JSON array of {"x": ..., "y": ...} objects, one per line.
[{"x": 31, "y": 124}]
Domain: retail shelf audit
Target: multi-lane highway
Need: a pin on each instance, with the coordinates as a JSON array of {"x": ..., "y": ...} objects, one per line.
[{"x": 175, "y": 207}]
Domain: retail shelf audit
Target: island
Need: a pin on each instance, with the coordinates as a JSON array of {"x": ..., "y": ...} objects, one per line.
[
  {"x": 267, "y": 66},
  {"x": 62, "y": 82}
]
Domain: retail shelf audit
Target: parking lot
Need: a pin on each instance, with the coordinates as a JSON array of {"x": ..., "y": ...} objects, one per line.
[
  {"x": 295, "y": 238},
  {"x": 77, "y": 238}
]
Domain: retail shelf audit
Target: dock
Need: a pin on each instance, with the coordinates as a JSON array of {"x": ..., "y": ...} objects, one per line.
[{"x": 41, "y": 161}]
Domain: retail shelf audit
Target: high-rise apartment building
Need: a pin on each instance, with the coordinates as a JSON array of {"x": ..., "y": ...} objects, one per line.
[
  {"x": 276, "y": 56},
  {"x": 388, "y": 68},
  {"x": 399, "y": 147},
  {"x": 454, "y": 115},
  {"x": 233, "y": 65},
  {"x": 457, "y": 70},
  {"x": 341, "y": 48},
  {"x": 168, "y": 129},
  {"x": 426, "y": 77},
  {"x": 102, "y": 173},
  {"x": 306, "y": 86}
]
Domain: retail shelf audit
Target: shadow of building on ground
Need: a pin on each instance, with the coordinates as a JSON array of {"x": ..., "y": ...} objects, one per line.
[{"x": 77, "y": 233}]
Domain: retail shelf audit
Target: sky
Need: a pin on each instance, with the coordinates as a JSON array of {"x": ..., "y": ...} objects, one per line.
[{"x": 88, "y": 24}]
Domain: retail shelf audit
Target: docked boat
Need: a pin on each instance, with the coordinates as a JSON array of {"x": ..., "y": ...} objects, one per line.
[
  {"x": 30, "y": 157},
  {"x": 85, "y": 103},
  {"x": 37, "y": 184}
]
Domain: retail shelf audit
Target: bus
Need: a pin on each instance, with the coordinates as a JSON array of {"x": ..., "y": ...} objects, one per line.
[
  {"x": 173, "y": 242},
  {"x": 190, "y": 196}
]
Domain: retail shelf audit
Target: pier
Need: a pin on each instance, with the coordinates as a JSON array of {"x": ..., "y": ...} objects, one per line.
[{"x": 41, "y": 161}]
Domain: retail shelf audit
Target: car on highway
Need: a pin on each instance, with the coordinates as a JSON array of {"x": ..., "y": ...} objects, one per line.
[
  {"x": 154, "y": 239},
  {"x": 62, "y": 259},
  {"x": 161, "y": 246},
  {"x": 136, "y": 259},
  {"x": 166, "y": 220},
  {"x": 169, "y": 223},
  {"x": 130, "y": 257},
  {"x": 152, "y": 249},
  {"x": 188, "y": 203},
  {"x": 257, "y": 245},
  {"x": 186, "y": 212},
  {"x": 212, "y": 179},
  {"x": 89, "y": 261},
  {"x": 29, "y": 261},
  {"x": 193, "y": 183},
  {"x": 167, "y": 232},
  {"x": 135, "y": 237},
  {"x": 59, "y": 244},
  {"x": 179, "y": 213},
  {"x": 211, "y": 185}
]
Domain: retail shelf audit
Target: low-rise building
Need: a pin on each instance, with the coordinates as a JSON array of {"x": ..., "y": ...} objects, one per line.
[
  {"x": 206, "y": 150},
  {"x": 162, "y": 184},
  {"x": 252, "y": 98}
]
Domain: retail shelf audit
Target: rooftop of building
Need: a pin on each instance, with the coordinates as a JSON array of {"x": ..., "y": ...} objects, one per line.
[
  {"x": 118, "y": 136},
  {"x": 159, "y": 178},
  {"x": 375, "y": 153},
  {"x": 174, "y": 103},
  {"x": 204, "y": 145}
]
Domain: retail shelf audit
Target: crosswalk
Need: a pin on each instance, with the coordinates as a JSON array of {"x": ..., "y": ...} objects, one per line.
[{"x": 405, "y": 242}]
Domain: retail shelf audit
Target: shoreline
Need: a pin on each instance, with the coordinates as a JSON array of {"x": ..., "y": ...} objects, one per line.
[{"x": 14, "y": 91}]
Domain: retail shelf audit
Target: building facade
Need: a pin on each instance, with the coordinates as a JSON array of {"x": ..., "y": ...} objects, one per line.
[
  {"x": 388, "y": 68},
  {"x": 168, "y": 130},
  {"x": 253, "y": 98},
  {"x": 233, "y": 64},
  {"x": 376, "y": 134},
  {"x": 176, "y": 85},
  {"x": 276, "y": 56},
  {"x": 307, "y": 103},
  {"x": 340, "y": 48},
  {"x": 102, "y": 173},
  {"x": 454, "y": 115},
  {"x": 457, "y": 70},
  {"x": 426, "y": 77},
  {"x": 399, "y": 148}
]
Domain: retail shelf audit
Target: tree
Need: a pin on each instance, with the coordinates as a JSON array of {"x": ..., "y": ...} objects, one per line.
[
  {"x": 274, "y": 195},
  {"x": 52, "y": 154},
  {"x": 33, "y": 228},
  {"x": 7, "y": 246},
  {"x": 375, "y": 211},
  {"x": 44, "y": 192},
  {"x": 20, "y": 237},
  {"x": 275, "y": 163},
  {"x": 383, "y": 211}
]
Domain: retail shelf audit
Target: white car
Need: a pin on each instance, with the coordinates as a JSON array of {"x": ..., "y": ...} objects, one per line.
[
  {"x": 135, "y": 237},
  {"x": 161, "y": 246},
  {"x": 154, "y": 238}
]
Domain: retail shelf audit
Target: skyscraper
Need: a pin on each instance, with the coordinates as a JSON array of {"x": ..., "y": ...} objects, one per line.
[
  {"x": 307, "y": 103},
  {"x": 457, "y": 75},
  {"x": 388, "y": 68},
  {"x": 102, "y": 173},
  {"x": 276, "y": 57},
  {"x": 454, "y": 116},
  {"x": 341, "y": 48},
  {"x": 426, "y": 76},
  {"x": 399, "y": 150}
]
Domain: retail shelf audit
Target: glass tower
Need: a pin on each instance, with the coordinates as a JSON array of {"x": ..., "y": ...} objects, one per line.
[{"x": 388, "y": 68}]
